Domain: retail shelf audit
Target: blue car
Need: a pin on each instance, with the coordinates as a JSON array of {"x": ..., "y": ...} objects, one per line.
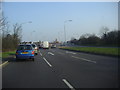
[{"x": 25, "y": 51}]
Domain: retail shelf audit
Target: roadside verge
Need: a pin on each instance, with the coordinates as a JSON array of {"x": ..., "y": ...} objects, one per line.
[
  {"x": 7, "y": 56},
  {"x": 113, "y": 52}
]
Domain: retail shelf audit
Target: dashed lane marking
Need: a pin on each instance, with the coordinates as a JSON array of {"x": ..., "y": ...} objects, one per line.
[
  {"x": 84, "y": 59},
  {"x": 68, "y": 84},
  {"x": 70, "y": 52},
  {"x": 47, "y": 62},
  {"x": 41, "y": 54}
]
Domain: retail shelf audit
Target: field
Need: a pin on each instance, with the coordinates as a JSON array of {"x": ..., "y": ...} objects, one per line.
[{"x": 95, "y": 50}]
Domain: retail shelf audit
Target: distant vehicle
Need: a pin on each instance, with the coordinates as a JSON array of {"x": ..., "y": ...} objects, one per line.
[
  {"x": 45, "y": 45},
  {"x": 53, "y": 46},
  {"x": 40, "y": 46},
  {"x": 35, "y": 48},
  {"x": 25, "y": 51}
]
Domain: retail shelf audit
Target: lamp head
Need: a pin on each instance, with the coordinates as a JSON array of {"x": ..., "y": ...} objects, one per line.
[
  {"x": 30, "y": 22},
  {"x": 70, "y": 20}
]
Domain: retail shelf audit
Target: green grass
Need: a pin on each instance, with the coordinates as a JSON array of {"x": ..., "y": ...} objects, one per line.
[
  {"x": 105, "y": 51},
  {"x": 0, "y": 54},
  {"x": 7, "y": 54}
]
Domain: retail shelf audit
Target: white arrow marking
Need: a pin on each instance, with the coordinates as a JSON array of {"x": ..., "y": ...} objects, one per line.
[{"x": 50, "y": 53}]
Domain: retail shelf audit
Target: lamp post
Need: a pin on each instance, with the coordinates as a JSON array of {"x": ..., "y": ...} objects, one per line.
[
  {"x": 25, "y": 23},
  {"x": 65, "y": 28}
]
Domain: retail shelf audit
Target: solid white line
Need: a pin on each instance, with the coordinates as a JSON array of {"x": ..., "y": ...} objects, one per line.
[
  {"x": 47, "y": 62},
  {"x": 50, "y": 53},
  {"x": 84, "y": 59},
  {"x": 68, "y": 84},
  {"x": 70, "y": 52},
  {"x": 4, "y": 63}
]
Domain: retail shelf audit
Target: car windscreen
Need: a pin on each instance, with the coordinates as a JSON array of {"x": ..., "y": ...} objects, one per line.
[
  {"x": 24, "y": 47},
  {"x": 33, "y": 45}
]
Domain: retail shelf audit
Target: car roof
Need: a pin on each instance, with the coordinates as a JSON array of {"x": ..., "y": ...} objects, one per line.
[{"x": 33, "y": 44}]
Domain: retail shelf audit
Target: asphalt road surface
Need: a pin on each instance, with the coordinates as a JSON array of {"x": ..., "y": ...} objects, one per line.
[{"x": 56, "y": 68}]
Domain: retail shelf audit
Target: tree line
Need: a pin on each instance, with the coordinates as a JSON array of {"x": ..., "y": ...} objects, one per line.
[
  {"x": 111, "y": 38},
  {"x": 9, "y": 40}
]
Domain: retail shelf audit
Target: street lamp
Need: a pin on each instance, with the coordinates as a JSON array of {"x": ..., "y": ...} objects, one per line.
[
  {"x": 65, "y": 27},
  {"x": 25, "y": 23}
]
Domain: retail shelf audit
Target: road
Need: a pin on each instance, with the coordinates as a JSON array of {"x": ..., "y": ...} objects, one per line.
[{"x": 56, "y": 68}]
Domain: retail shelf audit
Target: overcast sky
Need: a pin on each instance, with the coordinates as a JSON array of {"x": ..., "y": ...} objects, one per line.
[{"x": 48, "y": 18}]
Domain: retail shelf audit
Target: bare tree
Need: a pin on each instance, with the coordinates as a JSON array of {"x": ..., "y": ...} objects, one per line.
[
  {"x": 10, "y": 41},
  {"x": 3, "y": 25},
  {"x": 17, "y": 29}
]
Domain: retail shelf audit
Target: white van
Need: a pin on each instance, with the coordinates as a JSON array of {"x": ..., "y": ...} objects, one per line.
[{"x": 45, "y": 44}]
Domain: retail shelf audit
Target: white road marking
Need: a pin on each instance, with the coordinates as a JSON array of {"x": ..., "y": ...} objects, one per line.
[
  {"x": 41, "y": 54},
  {"x": 50, "y": 53},
  {"x": 4, "y": 63},
  {"x": 84, "y": 59},
  {"x": 47, "y": 62},
  {"x": 70, "y": 52},
  {"x": 68, "y": 84}
]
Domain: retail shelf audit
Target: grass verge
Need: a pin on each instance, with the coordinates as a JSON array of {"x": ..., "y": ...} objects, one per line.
[
  {"x": 0, "y": 54},
  {"x": 95, "y": 50},
  {"x": 7, "y": 54}
]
